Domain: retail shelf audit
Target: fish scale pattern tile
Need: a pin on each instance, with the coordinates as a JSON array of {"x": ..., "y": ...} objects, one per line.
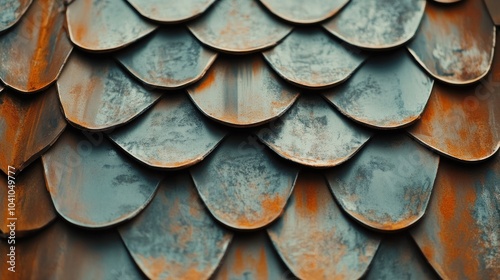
[{"x": 247, "y": 139}]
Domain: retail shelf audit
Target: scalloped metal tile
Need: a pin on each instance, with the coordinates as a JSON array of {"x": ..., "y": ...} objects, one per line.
[
  {"x": 311, "y": 58},
  {"x": 459, "y": 232},
  {"x": 242, "y": 91},
  {"x": 386, "y": 186},
  {"x": 494, "y": 9},
  {"x": 170, "y": 11},
  {"x": 94, "y": 186},
  {"x": 65, "y": 252},
  {"x": 12, "y": 11},
  {"x": 377, "y": 24},
  {"x": 28, "y": 126},
  {"x": 316, "y": 240},
  {"x": 236, "y": 26},
  {"x": 244, "y": 186},
  {"x": 388, "y": 92},
  {"x": 312, "y": 133},
  {"x": 173, "y": 134},
  {"x": 455, "y": 42},
  {"x": 34, "y": 51},
  {"x": 34, "y": 207},
  {"x": 96, "y": 94},
  {"x": 171, "y": 58},
  {"x": 175, "y": 237},
  {"x": 398, "y": 257},
  {"x": 251, "y": 256},
  {"x": 105, "y": 25},
  {"x": 304, "y": 12}
]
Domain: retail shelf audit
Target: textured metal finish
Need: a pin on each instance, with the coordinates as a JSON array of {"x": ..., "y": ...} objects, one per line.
[
  {"x": 304, "y": 12},
  {"x": 388, "y": 92},
  {"x": 34, "y": 207},
  {"x": 461, "y": 122},
  {"x": 455, "y": 42},
  {"x": 494, "y": 9},
  {"x": 311, "y": 58},
  {"x": 388, "y": 184},
  {"x": 28, "y": 126},
  {"x": 398, "y": 257},
  {"x": 65, "y": 252},
  {"x": 170, "y": 11},
  {"x": 175, "y": 237},
  {"x": 316, "y": 240},
  {"x": 171, "y": 58},
  {"x": 251, "y": 256},
  {"x": 244, "y": 186},
  {"x": 242, "y": 92},
  {"x": 237, "y": 26},
  {"x": 173, "y": 134},
  {"x": 312, "y": 133},
  {"x": 459, "y": 233},
  {"x": 33, "y": 52},
  {"x": 12, "y": 11},
  {"x": 105, "y": 25},
  {"x": 96, "y": 94},
  {"x": 377, "y": 24},
  {"x": 94, "y": 186}
]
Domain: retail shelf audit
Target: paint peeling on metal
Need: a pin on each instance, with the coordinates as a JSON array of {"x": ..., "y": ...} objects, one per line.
[
  {"x": 105, "y": 25},
  {"x": 455, "y": 42},
  {"x": 459, "y": 233},
  {"x": 12, "y": 11},
  {"x": 243, "y": 184},
  {"x": 312, "y": 133},
  {"x": 171, "y": 58},
  {"x": 304, "y": 12},
  {"x": 34, "y": 51},
  {"x": 28, "y": 127},
  {"x": 236, "y": 26},
  {"x": 96, "y": 94},
  {"x": 388, "y": 92},
  {"x": 171, "y": 11},
  {"x": 316, "y": 240},
  {"x": 242, "y": 91},
  {"x": 309, "y": 57},
  {"x": 94, "y": 186},
  {"x": 377, "y": 24},
  {"x": 173, "y": 134}
]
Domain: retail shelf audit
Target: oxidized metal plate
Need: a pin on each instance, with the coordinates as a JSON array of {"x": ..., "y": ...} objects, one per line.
[
  {"x": 170, "y": 11},
  {"x": 12, "y": 11},
  {"x": 304, "y": 12}
]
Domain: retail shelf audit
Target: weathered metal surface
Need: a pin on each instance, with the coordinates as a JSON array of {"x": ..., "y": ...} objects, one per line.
[
  {"x": 461, "y": 122},
  {"x": 399, "y": 258},
  {"x": 388, "y": 184},
  {"x": 316, "y": 240},
  {"x": 251, "y": 256},
  {"x": 242, "y": 91},
  {"x": 388, "y": 92},
  {"x": 175, "y": 237},
  {"x": 105, "y": 25},
  {"x": 243, "y": 184},
  {"x": 28, "y": 126},
  {"x": 237, "y": 26},
  {"x": 377, "y": 24},
  {"x": 34, "y": 208},
  {"x": 173, "y": 134},
  {"x": 311, "y": 58},
  {"x": 12, "y": 11},
  {"x": 312, "y": 133},
  {"x": 33, "y": 52},
  {"x": 455, "y": 42},
  {"x": 171, "y": 58},
  {"x": 96, "y": 94},
  {"x": 92, "y": 185},
  {"x": 170, "y": 11},
  {"x": 494, "y": 9},
  {"x": 304, "y": 12},
  {"x": 459, "y": 232},
  {"x": 65, "y": 252}
]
